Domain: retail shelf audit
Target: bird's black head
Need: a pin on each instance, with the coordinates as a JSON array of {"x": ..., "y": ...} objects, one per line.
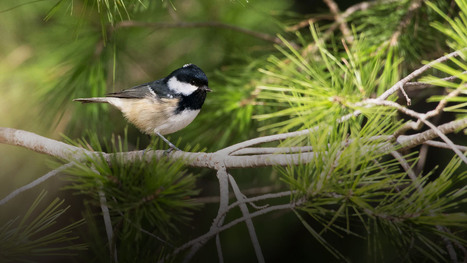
[{"x": 187, "y": 79}]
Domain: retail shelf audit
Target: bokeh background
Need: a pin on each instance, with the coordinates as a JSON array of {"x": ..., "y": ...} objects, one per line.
[{"x": 54, "y": 51}]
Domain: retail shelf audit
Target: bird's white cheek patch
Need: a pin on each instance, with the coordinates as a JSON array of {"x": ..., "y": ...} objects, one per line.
[{"x": 181, "y": 87}]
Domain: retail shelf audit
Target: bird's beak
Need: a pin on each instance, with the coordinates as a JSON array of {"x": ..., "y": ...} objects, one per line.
[{"x": 206, "y": 88}]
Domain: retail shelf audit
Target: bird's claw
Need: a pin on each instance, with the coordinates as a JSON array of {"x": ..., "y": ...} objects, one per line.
[{"x": 171, "y": 149}]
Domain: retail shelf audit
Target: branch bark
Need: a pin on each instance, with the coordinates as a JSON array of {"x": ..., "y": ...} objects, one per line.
[
  {"x": 68, "y": 152},
  {"x": 214, "y": 160}
]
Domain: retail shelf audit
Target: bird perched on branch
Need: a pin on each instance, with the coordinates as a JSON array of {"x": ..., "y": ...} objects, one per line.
[{"x": 163, "y": 106}]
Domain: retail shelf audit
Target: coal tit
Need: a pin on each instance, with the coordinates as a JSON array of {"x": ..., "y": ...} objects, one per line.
[{"x": 163, "y": 106}]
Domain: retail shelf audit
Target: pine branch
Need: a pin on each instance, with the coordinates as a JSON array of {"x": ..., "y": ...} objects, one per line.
[
  {"x": 249, "y": 222},
  {"x": 208, "y": 160},
  {"x": 444, "y": 145},
  {"x": 422, "y": 85},
  {"x": 239, "y": 155},
  {"x": 35, "y": 183},
  {"x": 223, "y": 179},
  {"x": 61, "y": 150},
  {"x": 422, "y": 118},
  {"x": 212, "y": 233},
  {"x": 342, "y": 19},
  {"x": 339, "y": 19},
  {"x": 108, "y": 224},
  {"x": 400, "y": 84}
]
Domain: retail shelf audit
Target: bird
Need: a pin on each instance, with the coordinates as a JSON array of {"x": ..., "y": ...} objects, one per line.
[{"x": 162, "y": 106}]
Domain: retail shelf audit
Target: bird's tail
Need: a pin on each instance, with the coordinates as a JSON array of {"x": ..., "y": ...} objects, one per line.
[{"x": 93, "y": 100}]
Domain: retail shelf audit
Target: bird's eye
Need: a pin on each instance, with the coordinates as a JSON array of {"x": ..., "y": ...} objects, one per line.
[{"x": 193, "y": 82}]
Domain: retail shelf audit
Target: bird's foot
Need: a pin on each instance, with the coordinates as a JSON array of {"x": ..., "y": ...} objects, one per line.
[
  {"x": 171, "y": 149},
  {"x": 171, "y": 145}
]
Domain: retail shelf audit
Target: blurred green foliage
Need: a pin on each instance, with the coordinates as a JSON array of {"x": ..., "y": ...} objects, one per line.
[
  {"x": 35, "y": 234},
  {"x": 55, "y": 51}
]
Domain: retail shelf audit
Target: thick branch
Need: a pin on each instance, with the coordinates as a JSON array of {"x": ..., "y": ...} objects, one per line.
[
  {"x": 41, "y": 144},
  {"x": 65, "y": 151}
]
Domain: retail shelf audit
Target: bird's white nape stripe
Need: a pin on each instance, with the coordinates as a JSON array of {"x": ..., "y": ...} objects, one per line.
[
  {"x": 187, "y": 65},
  {"x": 181, "y": 87}
]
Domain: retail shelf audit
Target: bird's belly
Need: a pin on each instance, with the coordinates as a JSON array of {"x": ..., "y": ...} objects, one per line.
[
  {"x": 177, "y": 122},
  {"x": 151, "y": 117}
]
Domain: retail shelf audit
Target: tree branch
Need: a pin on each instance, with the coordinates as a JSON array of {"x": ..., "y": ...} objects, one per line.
[
  {"x": 422, "y": 85},
  {"x": 212, "y": 233},
  {"x": 214, "y": 160},
  {"x": 248, "y": 221},
  {"x": 223, "y": 179},
  {"x": 422, "y": 118},
  {"x": 444, "y": 145},
  {"x": 339, "y": 19},
  {"x": 417, "y": 73},
  {"x": 35, "y": 182},
  {"x": 65, "y": 151},
  {"x": 107, "y": 224}
]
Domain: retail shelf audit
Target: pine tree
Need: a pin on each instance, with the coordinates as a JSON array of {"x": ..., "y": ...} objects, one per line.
[{"x": 333, "y": 136}]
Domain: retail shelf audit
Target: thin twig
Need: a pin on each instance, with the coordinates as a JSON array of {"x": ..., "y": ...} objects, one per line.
[
  {"x": 417, "y": 73},
  {"x": 422, "y": 118},
  {"x": 339, "y": 19},
  {"x": 254, "y": 190},
  {"x": 443, "y": 103},
  {"x": 422, "y": 85},
  {"x": 107, "y": 222},
  {"x": 450, "y": 248},
  {"x": 223, "y": 179},
  {"x": 407, "y": 169},
  {"x": 264, "y": 139},
  {"x": 423, "y": 153},
  {"x": 382, "y": 97},
  {"x": 212, "y": 233},
  {"x": 422, "y": 158},
  {"x": 348, "y": 12},
  {"x": 309, "y": 21},
  {"x": 444, "y": 145},
  {"x": 248, "y": 221},
  {"x": 258, "y": 198},
  {"x": 413, "y": 177},
  {"x": 411, "y": 125},
  {"x": 35, "y": 183}
]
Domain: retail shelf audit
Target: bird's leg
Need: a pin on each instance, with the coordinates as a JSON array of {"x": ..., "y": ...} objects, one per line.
[{"x": 172, "y": 147}]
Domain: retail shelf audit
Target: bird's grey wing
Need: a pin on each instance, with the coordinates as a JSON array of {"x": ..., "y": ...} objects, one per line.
[{"x": 155, "y": 89}]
